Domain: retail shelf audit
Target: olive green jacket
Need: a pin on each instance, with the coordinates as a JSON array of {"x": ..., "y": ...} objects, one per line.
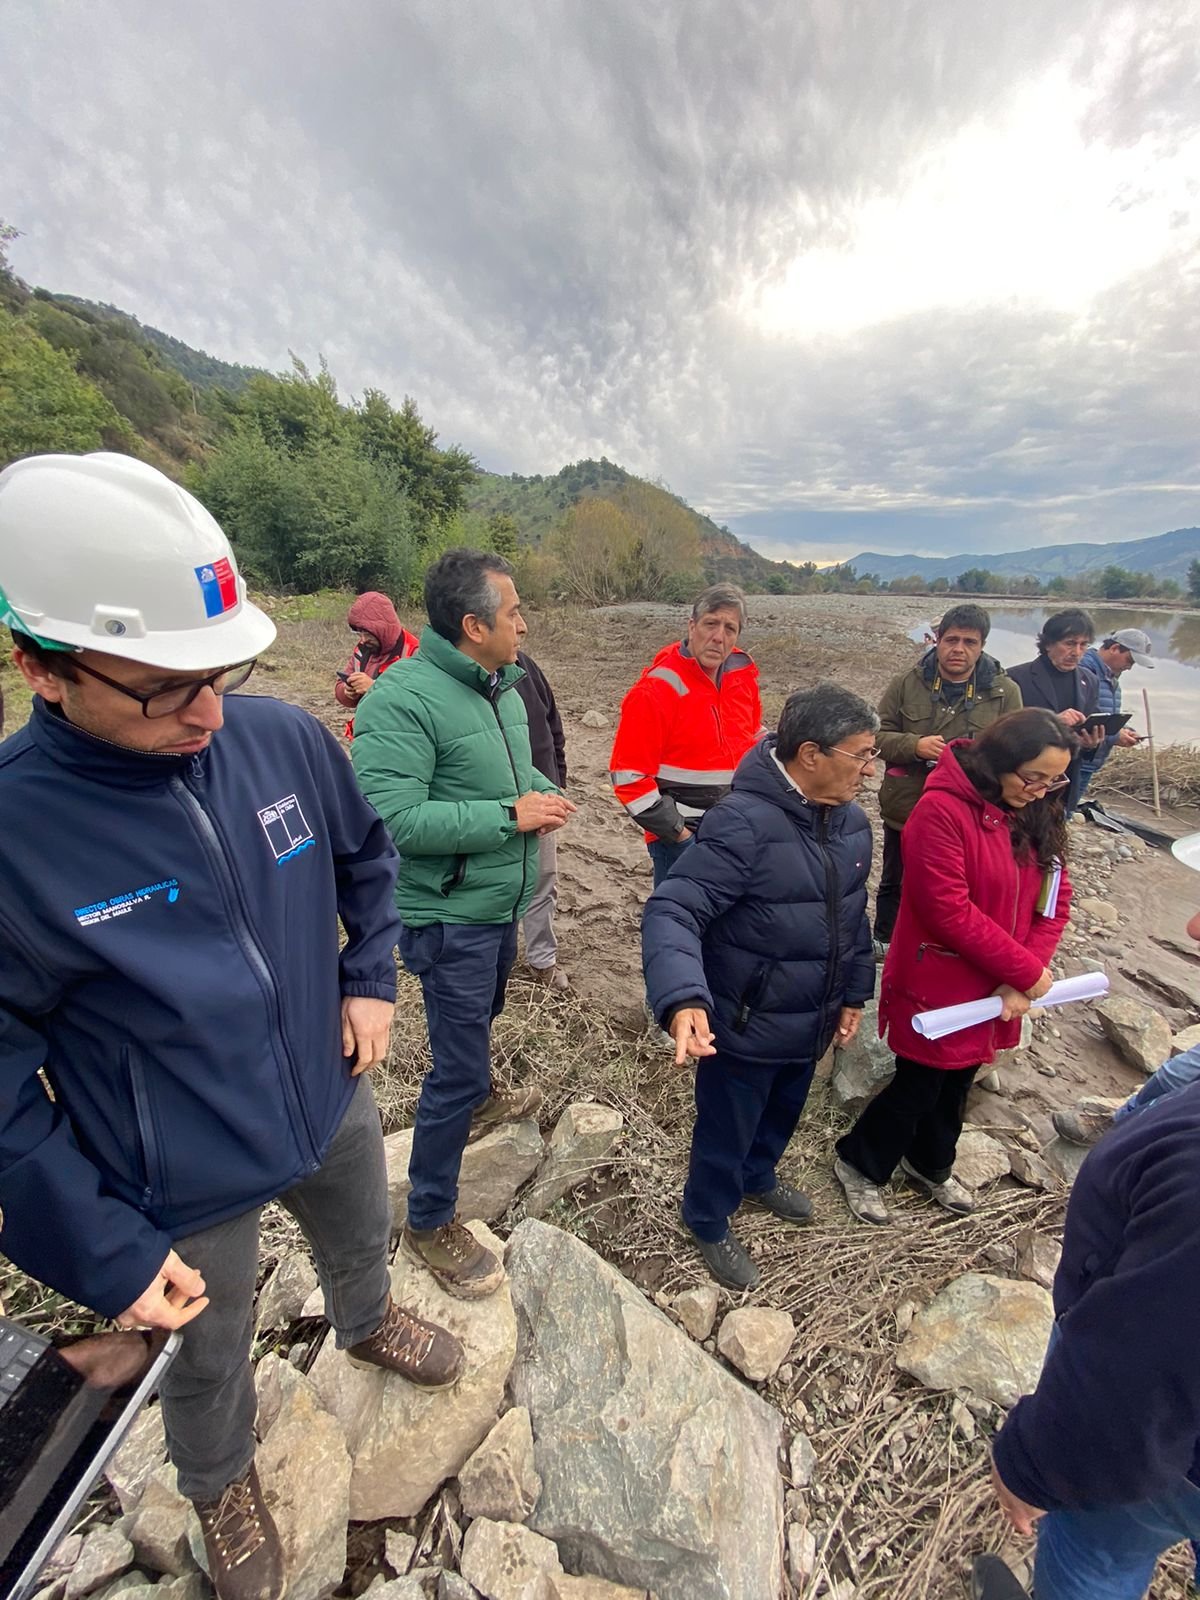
[
  {"x": 909, "y": 710},
  {"x": 443, "y": 756}
]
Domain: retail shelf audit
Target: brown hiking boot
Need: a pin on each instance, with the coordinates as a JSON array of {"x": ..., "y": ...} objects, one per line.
[
  {"x": 503, "y": 1105},
  {"x": 458, "y": 1261},
  {"x": 1081, "y": 1127},
  {"x": 552, "y": 977},
  {"x": 245, "y": 1558},
  {"x": 419, "y": 1351}
]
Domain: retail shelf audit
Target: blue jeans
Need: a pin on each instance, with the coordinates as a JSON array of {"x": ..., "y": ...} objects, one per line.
[
  {"x": 1110, "y": 1552},
  {"x": 664, "y": 855},
  {"x": 745, "y": 1114},
  {"x": 463, "y": 968},
  {"x": 1172, "y": 1075}
]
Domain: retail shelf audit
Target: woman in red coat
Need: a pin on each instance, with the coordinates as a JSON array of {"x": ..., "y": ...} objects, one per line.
[
  {"x": 983, "y": 847},
  {"x": 382, "y": 641}
]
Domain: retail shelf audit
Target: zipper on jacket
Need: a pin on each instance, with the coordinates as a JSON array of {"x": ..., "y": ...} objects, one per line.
[
  {"x": 493, "y": 699},
  {"x": 255, "y": 956},
  {"x": 454, "y": 877},
  {"x": 928, "y": 944},
  {"x": 751, "y": 998},
  {"x": 147, "y": 1139},
  {"x": 831, "y": 904}
]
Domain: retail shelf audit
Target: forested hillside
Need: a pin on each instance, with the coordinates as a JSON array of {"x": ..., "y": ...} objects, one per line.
[{"x": 318, "y": 491}]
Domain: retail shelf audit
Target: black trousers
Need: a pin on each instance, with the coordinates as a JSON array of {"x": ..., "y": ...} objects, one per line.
[
  {"x": 887, "y": 896},
  {"x": 919, "y": 1115},
  {"x": 746, "y": 1112}
]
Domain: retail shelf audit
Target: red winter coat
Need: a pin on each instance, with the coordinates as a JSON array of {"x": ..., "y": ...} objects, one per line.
[
  {"x": 967, "y": 920},
  {"x": 374, "y": 613}
]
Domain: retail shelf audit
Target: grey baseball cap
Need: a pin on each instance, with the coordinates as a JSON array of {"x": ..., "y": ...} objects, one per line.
[{"x": 1136, "y": 642}]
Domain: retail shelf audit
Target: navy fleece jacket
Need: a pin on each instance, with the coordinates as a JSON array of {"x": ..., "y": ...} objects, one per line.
[
  {"x": 169, "y": 955},
  {"x": 1115, "y": 1417}
]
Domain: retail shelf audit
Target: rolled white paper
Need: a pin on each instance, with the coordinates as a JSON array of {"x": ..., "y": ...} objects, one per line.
[{"x": 952, "y": 1019}]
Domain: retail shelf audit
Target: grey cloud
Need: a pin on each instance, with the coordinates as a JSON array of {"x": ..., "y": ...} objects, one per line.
[{"x": 538, "y": 219}]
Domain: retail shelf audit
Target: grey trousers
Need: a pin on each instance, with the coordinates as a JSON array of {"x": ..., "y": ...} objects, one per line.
[
  {"x": 208, "y": 1397},
  {"x": 541, "y": 947}
]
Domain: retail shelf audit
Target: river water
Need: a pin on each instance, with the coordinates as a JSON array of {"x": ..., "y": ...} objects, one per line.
[{"x": 1173, "y": 682}]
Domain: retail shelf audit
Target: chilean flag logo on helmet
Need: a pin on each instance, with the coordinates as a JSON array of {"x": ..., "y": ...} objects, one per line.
[{"x": 218, "y": 585}]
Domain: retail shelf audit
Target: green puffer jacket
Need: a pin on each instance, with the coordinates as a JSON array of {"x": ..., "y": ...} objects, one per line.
[
  {"x": 442, "y": 756},
  {"x": 909, "y": 710}
]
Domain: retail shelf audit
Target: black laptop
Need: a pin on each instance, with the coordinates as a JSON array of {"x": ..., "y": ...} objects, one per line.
[{"x": 63, "y": 1412}]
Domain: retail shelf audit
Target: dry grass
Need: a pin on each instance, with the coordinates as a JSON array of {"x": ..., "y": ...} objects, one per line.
[{"x": 1128, "y": 772}]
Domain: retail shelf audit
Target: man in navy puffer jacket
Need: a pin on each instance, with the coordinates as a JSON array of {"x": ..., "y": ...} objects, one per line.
[
  {"x": 757, "y": 955},
  {"x": 174, "y": 868}
]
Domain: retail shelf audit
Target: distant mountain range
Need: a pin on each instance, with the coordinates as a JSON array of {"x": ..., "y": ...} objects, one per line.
[{"x": 1167, "y": 555}]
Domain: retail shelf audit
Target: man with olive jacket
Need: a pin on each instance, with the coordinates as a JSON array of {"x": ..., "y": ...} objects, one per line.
[
  {"x": 757, "y": 955},
  {"x": 442, "y": 752},
  {"x": 954, "y": 692}
]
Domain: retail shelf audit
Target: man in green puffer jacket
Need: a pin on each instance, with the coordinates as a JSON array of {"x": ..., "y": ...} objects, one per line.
[{"x": 441, "y": 750}]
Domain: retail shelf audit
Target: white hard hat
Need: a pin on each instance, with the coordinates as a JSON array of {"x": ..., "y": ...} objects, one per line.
[
  {"x": 1187, "y": 850},
  {"x": 102, "y": 552}
]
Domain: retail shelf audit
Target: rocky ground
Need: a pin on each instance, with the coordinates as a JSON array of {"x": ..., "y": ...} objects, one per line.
[{"x": 640, "y": 1410}]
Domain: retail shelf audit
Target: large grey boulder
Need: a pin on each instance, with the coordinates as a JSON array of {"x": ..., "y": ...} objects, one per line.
[
  {"x": 861, "y": 1070},
  {"x": 493, "y": 1169},
  {"x": 405, "y": 1441},
  {"x": 659, "y": 1469},
  {"x": 583, "y": 1136},
  {"x": 1141, "y": 1036},
  {"x": 981, "y": 1333}
]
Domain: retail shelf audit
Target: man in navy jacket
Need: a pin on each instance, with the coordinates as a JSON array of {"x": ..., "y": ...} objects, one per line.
[
  {"x": 1104, "y": 1457},
  {"x": 757, "y": 955},
  {"x": 175, "y": 865}
]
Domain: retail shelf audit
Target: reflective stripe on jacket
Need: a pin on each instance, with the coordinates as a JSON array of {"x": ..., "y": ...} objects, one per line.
[{"x": 680, "y": 736}]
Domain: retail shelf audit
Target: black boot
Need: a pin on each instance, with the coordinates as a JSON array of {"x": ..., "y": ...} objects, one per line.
[{"x": 991, "y": 1580}]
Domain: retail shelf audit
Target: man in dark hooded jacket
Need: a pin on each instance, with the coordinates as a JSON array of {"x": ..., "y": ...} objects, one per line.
[
  {"x": 757, "y": 954},
  {"x": 954, "y": 692},
  {"x": 382, "y": 641}
]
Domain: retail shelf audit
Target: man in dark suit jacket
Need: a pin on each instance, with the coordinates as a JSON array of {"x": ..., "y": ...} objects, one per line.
[
  {"x": 549, "y": 749},
  {"x": 1055, "y": 680}
]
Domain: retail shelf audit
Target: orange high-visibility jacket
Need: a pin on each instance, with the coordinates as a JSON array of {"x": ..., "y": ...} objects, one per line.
[{"x": 679, "y": 737}]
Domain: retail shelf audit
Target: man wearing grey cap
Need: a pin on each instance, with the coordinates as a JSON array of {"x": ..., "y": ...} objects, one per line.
[{"x": 1119, "y": 651}]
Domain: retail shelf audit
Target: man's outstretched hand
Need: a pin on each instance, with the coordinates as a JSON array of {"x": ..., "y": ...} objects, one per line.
[
  {"x": 692, "y": 1035},
  {"x": 172, "y": 1300}
]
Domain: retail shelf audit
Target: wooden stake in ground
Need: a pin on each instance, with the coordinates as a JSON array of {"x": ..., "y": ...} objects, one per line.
[{"x": 1153, "y": 754}]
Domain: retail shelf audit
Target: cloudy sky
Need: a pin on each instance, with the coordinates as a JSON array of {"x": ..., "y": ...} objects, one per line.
[{"x": 847, "y": 274}]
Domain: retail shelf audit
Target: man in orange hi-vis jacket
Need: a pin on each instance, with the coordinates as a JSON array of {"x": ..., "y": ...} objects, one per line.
[{"x": 685, "y": 725}]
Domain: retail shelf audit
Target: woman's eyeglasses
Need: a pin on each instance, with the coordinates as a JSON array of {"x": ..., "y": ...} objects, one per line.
[
  {"x": 1046, "y": 785},
  {"x": 164, "y": 702}
]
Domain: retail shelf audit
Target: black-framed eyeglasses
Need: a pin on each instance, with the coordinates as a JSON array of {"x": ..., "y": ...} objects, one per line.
[
  {"x": 865, "y": 758},
  {"x": 164, "y": 702},
  {"x": 1046, "y": 785}
]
